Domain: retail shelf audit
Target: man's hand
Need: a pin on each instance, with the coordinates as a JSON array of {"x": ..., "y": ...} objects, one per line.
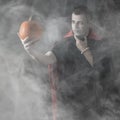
[
  {"x": 27, "y": 42},
  {"x": 35, "y": 49},
  {"x": 29, "y": 45},
  {"x": 81, "y": 45}
]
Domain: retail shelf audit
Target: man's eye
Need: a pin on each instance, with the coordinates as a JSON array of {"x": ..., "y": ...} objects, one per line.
[{"x": 81, "y": 23}]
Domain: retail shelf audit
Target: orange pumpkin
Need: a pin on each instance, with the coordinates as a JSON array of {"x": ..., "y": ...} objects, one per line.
[{"x": 30, "y": 29}]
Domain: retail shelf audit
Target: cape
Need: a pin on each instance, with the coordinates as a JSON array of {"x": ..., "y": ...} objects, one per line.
[{"x": 53, "y": 75}]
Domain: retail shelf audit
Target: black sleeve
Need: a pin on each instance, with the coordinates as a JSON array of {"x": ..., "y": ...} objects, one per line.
[
  {"x": 59, "y": 50},
  {"x": 103, "y": 65}
]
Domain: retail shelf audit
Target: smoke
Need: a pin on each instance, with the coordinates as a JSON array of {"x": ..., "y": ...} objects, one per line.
[
  {"x": 23, "y": 89},
  {"x": 24, "y": 86}
]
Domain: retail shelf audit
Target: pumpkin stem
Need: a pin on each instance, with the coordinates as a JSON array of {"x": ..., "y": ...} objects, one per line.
[{"x": 30, "y": 18}]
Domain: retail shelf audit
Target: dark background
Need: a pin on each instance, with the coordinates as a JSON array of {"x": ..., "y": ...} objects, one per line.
[{"x": 24, "y": 87}]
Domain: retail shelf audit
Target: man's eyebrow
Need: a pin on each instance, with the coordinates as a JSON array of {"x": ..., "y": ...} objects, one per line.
[{"x": 77, "y": 21}]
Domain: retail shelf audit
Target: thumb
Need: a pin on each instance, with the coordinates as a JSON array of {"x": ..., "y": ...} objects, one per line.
[
  {"x": 77, "y": 40},
  {"x": 19, "y": 36}
]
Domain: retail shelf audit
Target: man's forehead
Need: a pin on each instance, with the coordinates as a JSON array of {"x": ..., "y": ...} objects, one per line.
[{"x": 78, "y": 17}]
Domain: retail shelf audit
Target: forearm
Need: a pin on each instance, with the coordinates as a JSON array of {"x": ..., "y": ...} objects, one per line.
[
  {"x": 37, "y": 50},
  {"x": 47, "y": 58},
  {"x": 88, "y": 55}
]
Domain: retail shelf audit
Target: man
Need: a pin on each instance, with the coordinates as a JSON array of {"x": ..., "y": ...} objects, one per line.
[{"x": 81, "y": 65}]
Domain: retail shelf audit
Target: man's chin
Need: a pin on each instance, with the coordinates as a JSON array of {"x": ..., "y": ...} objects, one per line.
[
  {"x": 80, "y": 37},
  {"x": 78, "y": 34}
]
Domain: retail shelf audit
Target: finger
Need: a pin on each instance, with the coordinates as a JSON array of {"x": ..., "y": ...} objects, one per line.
[
  {"x": 26, "y": 47},
  {"x": 77, "y": 40},
  {"x": 19, "y": 36},
  {"x": 30, "y": 43},
  {"x": 75, "y": 37},
  {"x": 26, "y": 40}
]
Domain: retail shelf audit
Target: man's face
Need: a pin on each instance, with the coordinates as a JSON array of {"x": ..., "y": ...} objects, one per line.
[{"x": 80, "y": 25}]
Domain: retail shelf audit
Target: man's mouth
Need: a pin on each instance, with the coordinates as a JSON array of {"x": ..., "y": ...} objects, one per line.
[{"x": 77, "y": 30}]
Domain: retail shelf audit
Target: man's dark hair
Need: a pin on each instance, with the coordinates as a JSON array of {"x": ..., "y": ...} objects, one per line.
[{"x": 82, "y": 10}]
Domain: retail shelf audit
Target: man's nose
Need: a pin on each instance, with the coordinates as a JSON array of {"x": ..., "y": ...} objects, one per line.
[{"x": 76, "y": 25}]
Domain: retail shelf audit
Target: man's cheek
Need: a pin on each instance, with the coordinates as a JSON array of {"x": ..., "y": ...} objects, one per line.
[{"x": 84, "y": 29}]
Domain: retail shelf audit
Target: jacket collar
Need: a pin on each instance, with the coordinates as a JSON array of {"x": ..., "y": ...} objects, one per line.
[{"x": 92, "y": 35}]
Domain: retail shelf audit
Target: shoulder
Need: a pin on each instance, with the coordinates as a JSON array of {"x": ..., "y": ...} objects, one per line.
[
  {"x": 103, "y": 52},
  {"x": 102, "y": 44},
  {"x": 61, "y": 47}
]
